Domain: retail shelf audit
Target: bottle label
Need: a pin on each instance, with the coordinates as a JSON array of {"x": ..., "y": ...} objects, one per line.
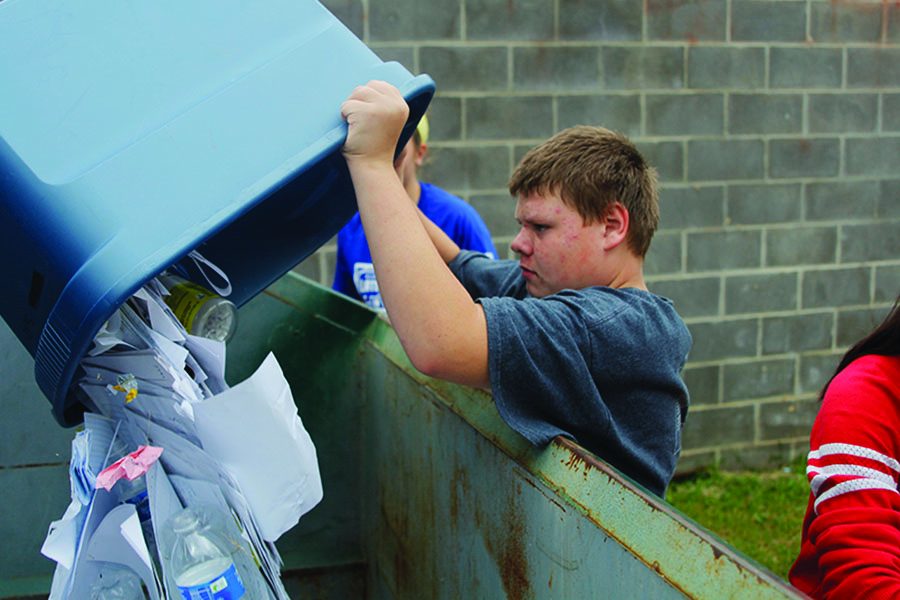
[
  {"x": 227, "y": 586},
  {"x": 141, "y": 503},
  {"x": 186, "y": 299}
]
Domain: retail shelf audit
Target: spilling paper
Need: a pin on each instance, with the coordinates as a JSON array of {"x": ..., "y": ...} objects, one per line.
[
  {"x": 255, "y": 432},
  {"x": 166, "y": 432}
]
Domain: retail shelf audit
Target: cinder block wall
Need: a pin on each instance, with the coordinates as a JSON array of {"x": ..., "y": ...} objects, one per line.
[{"x": 775, "y": 127}]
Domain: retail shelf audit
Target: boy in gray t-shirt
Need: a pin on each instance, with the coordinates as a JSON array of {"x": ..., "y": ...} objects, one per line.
[{"x": 568, "y": 338}]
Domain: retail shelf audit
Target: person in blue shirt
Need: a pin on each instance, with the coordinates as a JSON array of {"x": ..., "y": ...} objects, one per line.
[
  {"x": 354, "y": 274},
  {"x": 568, "y": 338}
]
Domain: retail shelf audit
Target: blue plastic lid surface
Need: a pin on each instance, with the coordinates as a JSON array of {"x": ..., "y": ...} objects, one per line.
[{"x": 134, "y": 132}]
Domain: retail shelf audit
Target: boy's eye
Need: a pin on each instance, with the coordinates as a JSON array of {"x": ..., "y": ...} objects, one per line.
[{"x": 540, "y": 228}]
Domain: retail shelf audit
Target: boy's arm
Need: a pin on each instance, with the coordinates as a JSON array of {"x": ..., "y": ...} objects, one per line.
[
  {"x": 442, "y": 330},
  {"x": 446, "y": 247}
]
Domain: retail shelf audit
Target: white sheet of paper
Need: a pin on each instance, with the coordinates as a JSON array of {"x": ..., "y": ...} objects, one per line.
[
  {"x": 254, "y": 431},
  {"x": 62, "y": 535},
  {"x": 119, "y": 539}
]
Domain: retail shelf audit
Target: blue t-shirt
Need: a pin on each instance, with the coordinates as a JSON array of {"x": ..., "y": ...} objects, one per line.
[
  {"x": 600, "y": 365},
  {"x": 354, "y": 274}
]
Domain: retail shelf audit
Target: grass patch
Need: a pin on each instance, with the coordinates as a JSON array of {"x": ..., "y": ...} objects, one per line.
[{"x": 759, "y": 514}]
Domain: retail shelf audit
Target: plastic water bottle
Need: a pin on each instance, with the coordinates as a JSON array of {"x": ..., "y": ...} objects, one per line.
[
  {"x": 117, "y": 582},
  {"x": 202, "y": 312},
  {"x": 201, "y": 558},
  {"x": 134, "y": 492}
]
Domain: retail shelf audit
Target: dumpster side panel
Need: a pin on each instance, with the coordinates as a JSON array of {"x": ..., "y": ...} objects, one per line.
[
  {"x": 452, "y": 516},
  {"x": 34, "y": 457},
  {"x": 464, "y": 505}
]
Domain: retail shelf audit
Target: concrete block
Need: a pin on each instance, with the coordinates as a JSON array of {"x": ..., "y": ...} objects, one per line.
[
  {"x": 555, "y": 67},
  {"x": 718, "y": 340},
  {"x": 392, "y": 20},
  {"x": 612, "y": 20},
  {"x": 666, "y": 157},
  {"x": 520, "y": 20},
  {"x": 664, "y": 255},
  {"x": 504, "y": 117},
  {"x": 329, "y": 258},
  {"x": 691, "y": 207},
  {"x": 760, "y": 293},
  {"x": 797, "y": 333},
  {"x": 840, "y": 23},
  {"x": 498, "y": 213},
  {"x": 641, "y": 68},
  {"x": 619, "y": 112},
  {"x": 888, "y": 206},
  {"x": 718, "y": 250},
  {"x": 468, "y": 168},
  {"x": 690, "y": 20},
  {"x": 801, "y": 246},
  {"x": 754, "y": 204},
  {"x": 759, "y": 457},
  {"x": 841, "y": 200},
  {"x": 804, "y": 157},
  {"x": 878, "y": 241},
  {"x": 873, "y": 156},
  {"x": 893, "y": 23},
  {"x": 765, "y": 113},
  {"x": 806, "y": 67},
  {"x": 836, "y": 287},
  {"x": 311, "y": 268},
  {"x": 757, "y": 379},
  {"x": 843, "y": 113},
  {"x": 766, "y": 21},
  {"x": 717, "y": 67},
  {"x": 691, "y": 462},
  {"x": 685, "y": 114},
  {"x": 853, "y": 325},
  {"x": 779, "y": 420},
  {"x": 873, "y": 67},
  {"x": 887, "y": 283},
  {"x": 519, "y": 150},
  {"x": 405, "y": 55},
  {"x": 703, "y": 384},
  {"x": 444, "y": 119},
  {"x": 816, "y": 370},
  {"x": 712, "y": 427},
  {"x": 695, "y": 297},
  {"x": 349, "y": 12},
  {"x": 36, "y": 496},
  {"x": 890, "y": 112},
  {"x": 725, "y": 159},
  {"x": 458, "y": 68}
]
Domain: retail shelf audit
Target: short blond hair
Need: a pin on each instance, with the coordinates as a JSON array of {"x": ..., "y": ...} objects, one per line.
[{"x": 591, "y": 168}]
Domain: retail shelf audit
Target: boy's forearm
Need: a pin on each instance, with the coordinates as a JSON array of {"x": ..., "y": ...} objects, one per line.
[
  {"x": 431, "y": 312},
  {"x": 446, "y": 247}
]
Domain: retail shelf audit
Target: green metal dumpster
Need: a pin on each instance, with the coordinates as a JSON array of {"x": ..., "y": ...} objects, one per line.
[{"x": 428, "y": 494}]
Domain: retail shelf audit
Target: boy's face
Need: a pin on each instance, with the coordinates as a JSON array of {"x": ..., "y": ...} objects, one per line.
[
  {"x": 408, "y": 162},
  {"x": 556, "y": 249}
]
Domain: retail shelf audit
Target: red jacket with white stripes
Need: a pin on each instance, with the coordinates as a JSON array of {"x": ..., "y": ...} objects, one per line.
[{"x": 851, "y": 534}]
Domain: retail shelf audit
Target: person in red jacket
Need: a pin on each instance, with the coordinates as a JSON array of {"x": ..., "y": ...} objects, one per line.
[{"x": 850, "y": 546}]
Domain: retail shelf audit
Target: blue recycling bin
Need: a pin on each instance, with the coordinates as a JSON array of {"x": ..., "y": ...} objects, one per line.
[{"x": 133, "y": 133}]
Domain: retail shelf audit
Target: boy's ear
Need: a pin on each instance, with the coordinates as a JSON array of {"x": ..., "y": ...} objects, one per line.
[
  {"x": 420, "y": 151},
  {"x": 616, "y": 223}
]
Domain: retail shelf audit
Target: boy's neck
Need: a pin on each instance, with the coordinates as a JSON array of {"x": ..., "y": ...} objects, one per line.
[{"x": 414, "y": 190}]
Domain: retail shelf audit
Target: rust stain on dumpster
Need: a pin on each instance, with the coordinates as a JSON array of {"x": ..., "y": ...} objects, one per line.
[{"x": 506, "y": 544}]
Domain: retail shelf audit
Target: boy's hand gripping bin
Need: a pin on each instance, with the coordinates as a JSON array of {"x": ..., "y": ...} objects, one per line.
[{"x": 133, "y": 133}]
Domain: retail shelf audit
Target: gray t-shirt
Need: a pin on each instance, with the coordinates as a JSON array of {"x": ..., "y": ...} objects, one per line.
[{"x": 599, "y": 365}]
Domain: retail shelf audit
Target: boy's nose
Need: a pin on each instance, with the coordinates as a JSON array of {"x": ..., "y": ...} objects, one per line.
[{"x": 520, "y": 244}]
